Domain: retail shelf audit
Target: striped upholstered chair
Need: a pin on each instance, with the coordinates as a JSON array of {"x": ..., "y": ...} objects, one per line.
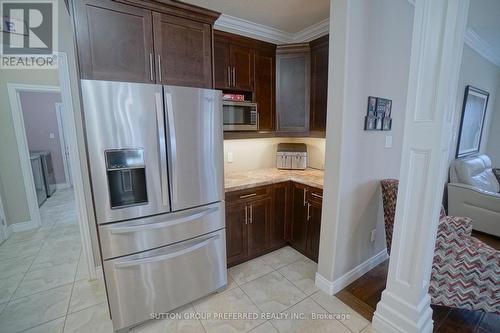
[{"x": 465, "y": 271}]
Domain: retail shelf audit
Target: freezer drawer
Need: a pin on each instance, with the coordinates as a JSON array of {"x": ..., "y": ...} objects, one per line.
[
  {"x": 138, "y": 235},
  {"x": 161, "y": 280}
]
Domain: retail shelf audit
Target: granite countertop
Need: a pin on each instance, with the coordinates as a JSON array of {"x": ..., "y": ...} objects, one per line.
[{"x": 242, "y": 180}]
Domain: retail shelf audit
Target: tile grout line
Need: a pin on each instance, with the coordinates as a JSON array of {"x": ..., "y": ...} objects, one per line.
[{"x": 71, "y": 293}]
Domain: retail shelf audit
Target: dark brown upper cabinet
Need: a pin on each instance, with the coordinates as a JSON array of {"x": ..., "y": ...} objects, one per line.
[
  {"x": 319, "y": 83},
  {"x": 183, "y": 51},
  {"x": 293, "y": 88},
  {"x": 234, "y": 67},
  {"x": 265, "y": 88},
  {"x": 115, "y": 41},
  {"x": 163, "y": 42}
]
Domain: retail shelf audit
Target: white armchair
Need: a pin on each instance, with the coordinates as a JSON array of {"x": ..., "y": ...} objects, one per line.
[{"x": 473, "y": 192}]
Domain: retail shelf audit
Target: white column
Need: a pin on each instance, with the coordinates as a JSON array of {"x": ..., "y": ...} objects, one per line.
[{"x": 437, "y": 44}]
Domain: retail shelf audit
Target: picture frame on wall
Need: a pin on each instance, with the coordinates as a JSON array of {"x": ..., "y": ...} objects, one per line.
[
  {"x": 472, "y": 121},
  {"x": 378, "y": 115}
]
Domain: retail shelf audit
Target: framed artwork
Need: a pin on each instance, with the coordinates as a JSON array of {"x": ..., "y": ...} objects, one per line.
[
  {"x": 378, "y": 117},
  {"x": 472, "y": 121}
]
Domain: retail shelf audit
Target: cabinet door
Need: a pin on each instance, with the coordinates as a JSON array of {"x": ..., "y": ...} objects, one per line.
[
  {"x": 258, "y": 226},
  {"x": 319, "y": 87},
  {"x": 299, "y": 227},
  {"x": 115, "y": 41},
  {"x": 183, "y": 50},
  {"x": 292, "y": 92},
  {"x": 313, "y": 230},
  {"x": 236, "y": 233},
  {"x": 264, "y": 89},
  {"x": 222, "y": 65},
  {"x": 280, "y": 215},
  {"x": 242, "y": 67}
]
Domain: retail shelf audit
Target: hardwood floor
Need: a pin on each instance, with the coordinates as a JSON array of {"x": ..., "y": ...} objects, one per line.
[{"x": 363, "y": 295}]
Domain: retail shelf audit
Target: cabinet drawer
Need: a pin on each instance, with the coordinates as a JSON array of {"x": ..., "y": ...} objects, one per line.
[
  {"x": 314, "y": 195},
  {"x": 248, "y": 194},
  {"x": 163, "y": 279}
]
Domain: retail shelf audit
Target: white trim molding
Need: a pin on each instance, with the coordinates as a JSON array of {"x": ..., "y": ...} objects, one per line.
[
  {"x": 481, "y": 46},
  {"x": 21, "y": 226},
  {"x": 334, "y": 287},
  {"x": 269, "y": 34}
]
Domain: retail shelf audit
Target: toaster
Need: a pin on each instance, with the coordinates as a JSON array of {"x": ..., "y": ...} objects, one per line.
[{"x": 291, "y": 156}]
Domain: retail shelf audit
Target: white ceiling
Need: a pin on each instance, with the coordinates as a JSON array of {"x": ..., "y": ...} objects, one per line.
[
  {"x": 290, "y": 16},
  {"x": 484, "y": 20}
]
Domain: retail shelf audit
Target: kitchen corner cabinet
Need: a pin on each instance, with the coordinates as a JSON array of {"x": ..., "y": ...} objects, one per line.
[
  {"x": 234, "y": 65},
  {"x": 149, "y": 42},
  {"x": 293, "y": 88},
  {"x": 265, "y": 82},
  {"x": 263, "y": 219},
  {"x": 319, "y": 83}
]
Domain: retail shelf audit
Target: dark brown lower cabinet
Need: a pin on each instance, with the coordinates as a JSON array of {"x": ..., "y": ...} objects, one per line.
[{"x": 263, "y": 219}]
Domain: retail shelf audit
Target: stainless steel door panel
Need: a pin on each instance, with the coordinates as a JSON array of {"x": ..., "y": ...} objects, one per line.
[
  {"x": 134, "y": 236},
  {"x": 194, "y": 134},
  {"x": 121, "y": 115},
  {"x": 164, "y": 279}
]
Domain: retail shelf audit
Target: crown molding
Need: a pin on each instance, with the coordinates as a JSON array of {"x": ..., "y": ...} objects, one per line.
[
  {"x": 269, "y": 34},
  {"x": 481, "y": 46}
]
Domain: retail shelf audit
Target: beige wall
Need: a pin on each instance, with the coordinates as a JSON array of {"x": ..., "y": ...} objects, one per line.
[
  {"x": 368, "y": 56},
  {"x": 252, "y": 154},
  {"x": 480, "y": 73}
]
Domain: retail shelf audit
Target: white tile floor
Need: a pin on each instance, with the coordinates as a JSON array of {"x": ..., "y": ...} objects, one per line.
[{"x": 44, "y": 287}]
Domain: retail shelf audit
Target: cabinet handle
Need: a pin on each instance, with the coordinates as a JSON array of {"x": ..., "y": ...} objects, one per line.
[
  {"x": 246, "y": 214},
  {"x": 229, "y": 76},
  {"x": 234, "y": 77},
  {"x": 308, "y": 211},
  {"x": 305, "y": 192},
  {"x": 159, "y": 67},
  {"x": 316, "y": 195},
  {"x": 258, "y": 121},
  {"x": 248, "y": 196},
  {"x": 151, "y": 73},
  {"x": 251, "y": 214}
]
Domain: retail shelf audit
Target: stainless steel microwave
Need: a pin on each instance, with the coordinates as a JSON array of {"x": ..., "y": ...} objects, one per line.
[{"x": 240, "y": 116}]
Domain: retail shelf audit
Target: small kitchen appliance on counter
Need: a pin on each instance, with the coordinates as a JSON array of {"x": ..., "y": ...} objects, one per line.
[{"x": 291, "y": 156}]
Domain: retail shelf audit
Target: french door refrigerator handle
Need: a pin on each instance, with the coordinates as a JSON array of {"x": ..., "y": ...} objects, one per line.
[
  {"x": 177, "y": 219},
  {"x": 172, "y": 145},
  {"x": 166, "y": 256},
  {"x": 163, "y": 149}
]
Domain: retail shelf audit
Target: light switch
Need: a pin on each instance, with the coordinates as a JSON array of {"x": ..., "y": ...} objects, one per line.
[
  {"x": 388, "y": 141},
  {"x": 230, "y": 157},
  {"x": 52, "y": 135}
]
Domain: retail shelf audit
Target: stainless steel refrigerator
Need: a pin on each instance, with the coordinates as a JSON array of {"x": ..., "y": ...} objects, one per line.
[{"x": 156, "y": 163}]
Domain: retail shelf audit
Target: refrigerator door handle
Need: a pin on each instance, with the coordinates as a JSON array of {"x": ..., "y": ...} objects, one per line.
[
  {"x": 163, "y": 150},
  {"x": 173, "y": 145},
  {"x": 167, "y": 223},
  {"x": 166, "y": 256}
]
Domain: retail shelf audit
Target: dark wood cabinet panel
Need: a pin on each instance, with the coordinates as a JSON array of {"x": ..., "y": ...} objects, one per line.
[
  {"x": 293, "y": 88},
  {"x": 319, "y": 83},
  {"x": 222, "y": 64},
  {"x": 183, "y": 50},
  {"x": 280, "y": 214},
  {"x": 236, "y": 233},
  {"x": 258, "y": 227},
  {"x": 265, "y": 88},
  {"x": 298, "y": 237},
  {"x": 114, "y": 41},
  {"x": 313, "y": 230},
  {"x": 242, "y": 67}
]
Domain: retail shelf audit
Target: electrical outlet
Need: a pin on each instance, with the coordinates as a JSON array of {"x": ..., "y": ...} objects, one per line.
[
  {"x": 52, "y": 135},
  {"x": 388, "y": 141},
  {"x": 230, "y": 158},
  {"x": 372, "y": 235}
]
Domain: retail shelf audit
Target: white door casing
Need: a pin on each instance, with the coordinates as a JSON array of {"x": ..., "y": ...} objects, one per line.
[{"x": 63, "y": 135}]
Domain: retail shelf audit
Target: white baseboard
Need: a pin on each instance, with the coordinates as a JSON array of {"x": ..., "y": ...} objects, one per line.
[
  {"x": 334, "y": 287},
  {"x": 21, "y": 226},
  {"x": 63, "y": 186}
]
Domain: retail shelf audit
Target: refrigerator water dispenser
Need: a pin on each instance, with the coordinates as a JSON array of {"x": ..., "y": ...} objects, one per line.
[{"x": 126, "y": 173}]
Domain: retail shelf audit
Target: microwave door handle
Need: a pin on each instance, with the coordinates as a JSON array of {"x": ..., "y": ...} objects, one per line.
[
  {"x": 173, "y": 146},
  {"x": 166, "y": 256},
  {"x": 163, "y": 149}
]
